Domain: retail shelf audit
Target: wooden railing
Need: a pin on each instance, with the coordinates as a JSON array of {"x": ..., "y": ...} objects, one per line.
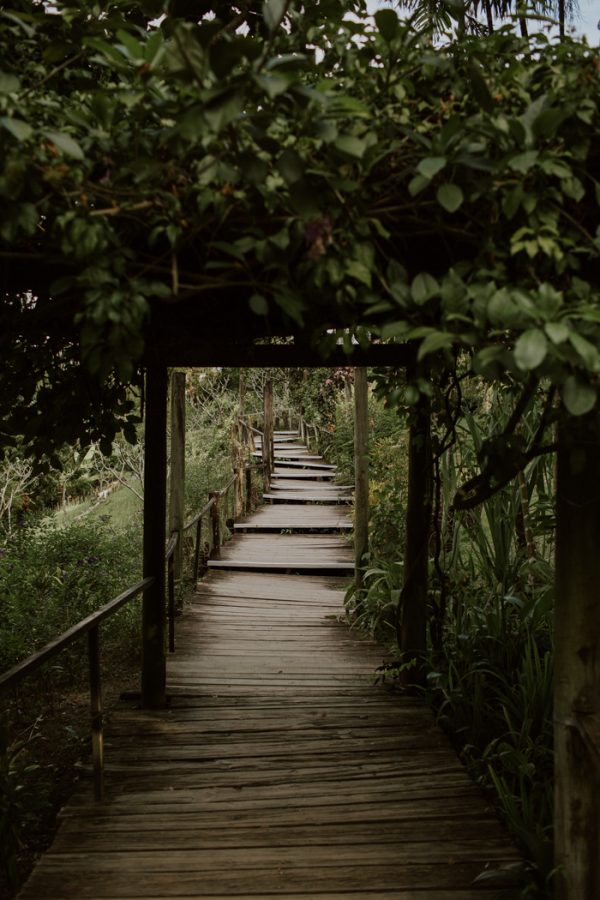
[
  {"x": 220, "y": 503},
  {"x": 90, "y": 626}
]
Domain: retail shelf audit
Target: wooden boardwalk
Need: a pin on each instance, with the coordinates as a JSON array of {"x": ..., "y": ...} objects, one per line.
[{"x": 279, "y": 769}]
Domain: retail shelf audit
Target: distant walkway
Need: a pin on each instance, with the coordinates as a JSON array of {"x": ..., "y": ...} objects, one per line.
[{"x": 280, "y": 769}]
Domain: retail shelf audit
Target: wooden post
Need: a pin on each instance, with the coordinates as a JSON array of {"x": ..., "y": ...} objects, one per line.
[
  {"x": 96, "y": 711},
  {"x": 238, "y": 489},
  {"x": 361, "y": 473},
  {"x": 419, "y": 506},
  {"x": 248, "y": 492},
  {"x": 155, "y": 502},
  {"x": 215, "y": 518},
  {"x": 267, "y": 442},
  {"x": 177, "y": 483},
  {"x": 171, "y": 600},
  {"x": 242, "y": 409},
  {"x": 197, "y": 549},
  {"x": 577, "y": 661}
]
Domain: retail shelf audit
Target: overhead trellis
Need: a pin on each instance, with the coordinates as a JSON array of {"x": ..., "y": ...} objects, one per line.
[{"x": 310, "y": 173}]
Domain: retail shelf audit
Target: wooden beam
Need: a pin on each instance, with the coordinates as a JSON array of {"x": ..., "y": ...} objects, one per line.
[
  {"x": 188, "y": 350},
  {"x": 419, "y": 503},
  {"x": 361, "y": 471},
  {"x": 268, "y": 425},
  {"x": 577, "y": 661},
  {"x": 155, "y": 493},
  {"x": 177, "y": 474}
]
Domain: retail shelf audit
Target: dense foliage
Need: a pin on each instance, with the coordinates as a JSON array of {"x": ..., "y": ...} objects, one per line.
[
  {"x": 490, "y": 641},
  {"x": 328, "y": 169}
]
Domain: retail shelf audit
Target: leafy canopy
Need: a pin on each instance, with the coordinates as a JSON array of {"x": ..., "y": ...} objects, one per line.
[{"x": 325, "y": 170}]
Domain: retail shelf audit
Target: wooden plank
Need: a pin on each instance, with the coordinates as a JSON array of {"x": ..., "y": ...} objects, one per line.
[{"x": 291, "y": 497}]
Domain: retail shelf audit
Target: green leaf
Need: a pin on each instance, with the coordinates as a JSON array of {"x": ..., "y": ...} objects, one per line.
[
  {"x": 417, "y": 184},
  {"x": 273, "y": 11},
  {"x": 326, "y": 131},
  {"x": 423, "y": 287},
  {"x": 387, "y": 24},
  {"x": 291, "y": 166},
  {"x": 350, "y": 145},
  {"x": 19, "y": 129},
  {"x": 132, "y": 47},
  {"x": 360, "y": 271},
  {"x": 557, "y": 332},
  {"x": 546, "y": 124},
  {"x": 8, "y": 83},
  {"x": 272, "y": 85},
  {"x": 530, "y": 349},
  {"x": 578, "y": 397},
  {"x": 450, "y": 196},
  {"x": 437, "y": 340},
  {"x": 430, "y": 166},
  {"x": 65, "y": 144},
  {"x": 259, "y": 305},
  {"x": 523, "y": 162},
  {"x": 224, "y": 110},
  {"x": 481, "y": 91},
  {"x": 586, "y": 351}
]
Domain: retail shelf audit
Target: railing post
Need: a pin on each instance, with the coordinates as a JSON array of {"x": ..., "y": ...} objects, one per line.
[
  {"x": 96, "y": 711},
  {"x": 171, "y": 593},
  {"x": 154, "y": 663},
  {"x": 238, "y": 509},
  {"x": 197, "y": 548},
  {"x": 248, "y": 477},
  {"x": 215, "y": 519},
  {"x": 361, "y": 472},
  {"x": 177, "y": 474},
  {"x": 267, "y": 440}
]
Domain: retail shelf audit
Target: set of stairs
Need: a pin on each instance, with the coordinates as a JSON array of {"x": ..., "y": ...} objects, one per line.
[{"x": 308, "y": 511}]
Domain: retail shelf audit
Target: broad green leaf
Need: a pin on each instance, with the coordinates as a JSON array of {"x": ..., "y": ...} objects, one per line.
[
  {"x": 8, "y": 83},
  {"x": 450, "y": 196},
  {"x": 272, "y": 85},
  {"x": 132, "y": 47},
  {"x": 273, "y": 11},
  {"x": 65, "y": 144},
  {"x": 192, "y": 124},
  {"x": 502, "y": 311},
  {"x": 360, "y": 271},
  {"x": 578, "y": 397},
  {"x": 350, "y": 145},
  {"x": 546, "y": 124},
  {"x": 259, "y": 305},
  {"x": 326, "y": 131},
  {"x": 586, "y": 351},
  {"x": 557, "y": 332},
  {"x": 423, "y": 287},
  {"x": 437, "y": 340},
  {"x": 530, "y": 349},
  {"x": 19, "y": 129},
  {"x": 417, "y": 184},
  {"x": 430, "y": 166},
  {"x": 224, "y": 110},
  {"x": 523, "y": 162},
  {"x": 481, "y": 91},
  {"x": 291, "y": 166},
  {"x": 387, "y": 24}
]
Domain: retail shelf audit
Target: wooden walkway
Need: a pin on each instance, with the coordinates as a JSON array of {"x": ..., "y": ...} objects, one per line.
[{"x": 279, "y": 769}]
